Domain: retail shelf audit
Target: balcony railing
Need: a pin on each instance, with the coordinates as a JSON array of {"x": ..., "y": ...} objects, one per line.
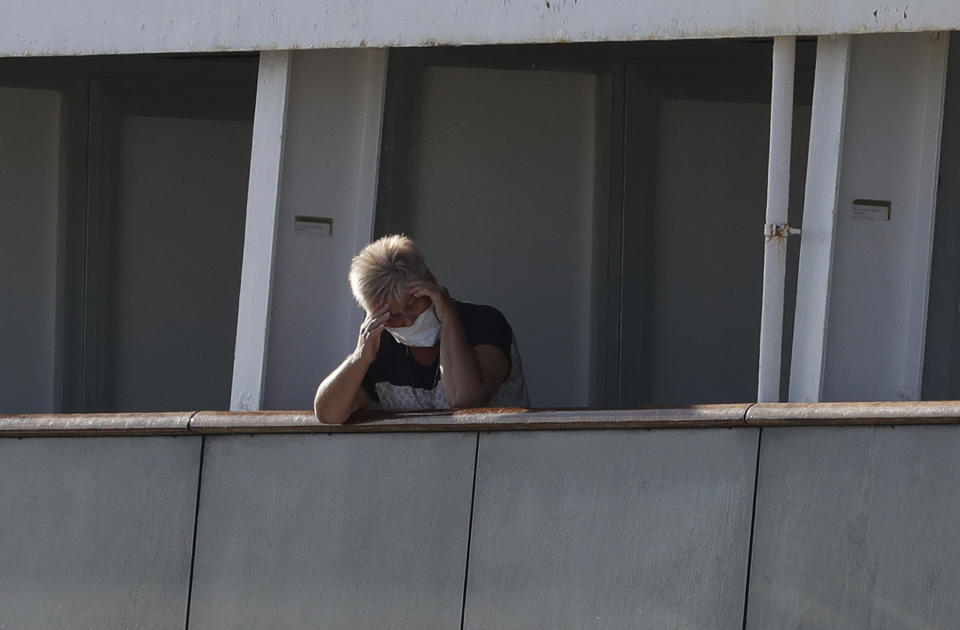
[{"x": 714, "y": 516}]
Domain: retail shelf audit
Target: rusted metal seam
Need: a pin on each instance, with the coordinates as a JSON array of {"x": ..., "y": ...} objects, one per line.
[
  {"x": 779, "y": 230},
  {"x": 190, "y": 421},
  {"x": 746, "y": 412}
]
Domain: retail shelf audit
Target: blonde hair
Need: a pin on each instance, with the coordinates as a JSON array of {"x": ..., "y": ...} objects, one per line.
[{"x": 380, "y": 273}]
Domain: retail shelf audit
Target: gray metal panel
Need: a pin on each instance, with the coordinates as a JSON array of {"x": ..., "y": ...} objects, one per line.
[
  {"x": 614, "y": 529},
  {"x": 333, "y": 531},
  {"x": 857, "y": 528},
  {"x": 96, "y": 532}
]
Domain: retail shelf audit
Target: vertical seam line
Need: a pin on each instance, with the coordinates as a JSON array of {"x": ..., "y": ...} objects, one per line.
[
  {"x": 622, "y": 184},
  {"x": 466, "y": 568},
  {"x": 753, "y": 522},
  {"x": 196, "y": 520},
  {"x": 85, "y": 249}
]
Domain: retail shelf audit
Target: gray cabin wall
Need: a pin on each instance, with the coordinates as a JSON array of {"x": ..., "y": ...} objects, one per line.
[
  {"x": 97, "y": 532},
  {"x": 605, "y": 529},
  {"x": 839, "y": 527},
  {"x": 182, "y": 193},
  {"x": 503, "y": 210},
  {"x": 333, "y": 531},
  {"x": 856, "y": 528},
  {"x": 29, "y": 250}
]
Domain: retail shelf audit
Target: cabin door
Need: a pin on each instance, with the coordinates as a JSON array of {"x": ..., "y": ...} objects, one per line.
[
  {"x": 695, "y": 192},
  {"x": 168, "y": 183}
]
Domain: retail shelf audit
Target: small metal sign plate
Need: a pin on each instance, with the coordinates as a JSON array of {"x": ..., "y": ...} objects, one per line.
[
  {"x": 871, "y": 210},
  {"x": 312, "y": 226}
]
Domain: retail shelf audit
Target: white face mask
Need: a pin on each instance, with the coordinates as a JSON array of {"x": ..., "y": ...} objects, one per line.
[{"x": 422, "y": 333}]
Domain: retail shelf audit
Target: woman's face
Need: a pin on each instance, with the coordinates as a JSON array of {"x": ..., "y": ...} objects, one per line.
[{"x": 406, "y": 310}]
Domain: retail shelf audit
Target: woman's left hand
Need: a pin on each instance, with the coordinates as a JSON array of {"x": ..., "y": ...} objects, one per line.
[{"x": 438, "y": 295}]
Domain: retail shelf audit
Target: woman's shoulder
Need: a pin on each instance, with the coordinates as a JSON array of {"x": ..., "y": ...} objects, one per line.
[
  {"x": 485, "y": 324},
  {"x": 480, "y": 312}
]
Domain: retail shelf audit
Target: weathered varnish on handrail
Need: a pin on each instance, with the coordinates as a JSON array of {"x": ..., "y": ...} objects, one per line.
[
  {"x": 854, "y": 413},
  {"x": 698, "y": 416}
]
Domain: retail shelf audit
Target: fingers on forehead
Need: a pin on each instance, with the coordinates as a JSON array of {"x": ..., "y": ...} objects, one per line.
[{"x": 401, "y": 302}]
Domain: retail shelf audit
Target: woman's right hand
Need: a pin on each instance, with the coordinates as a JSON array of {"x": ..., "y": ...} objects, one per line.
[{"x": 368, "y": 341}]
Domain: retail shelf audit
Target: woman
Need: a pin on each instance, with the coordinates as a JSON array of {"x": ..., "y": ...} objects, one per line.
[{"x": 437, "y": 353}]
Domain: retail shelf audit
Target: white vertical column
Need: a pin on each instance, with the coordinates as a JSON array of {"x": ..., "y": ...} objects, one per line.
[
  {"x": 263, "y": 197},
  {"x": 369, "y": 173},
  {"x": 819, "y": 218},
  {"x": 930, "y": 127},
  {"x": 331, "y": 156},
  {"x": 776, "y": 230},
  {"x": 881, "y": 263}
]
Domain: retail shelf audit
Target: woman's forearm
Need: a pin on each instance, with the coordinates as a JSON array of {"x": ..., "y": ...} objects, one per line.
[
  {"x": 337, "y": 394},
  {"x": 460, "y": 369},
  {"x": 340, "y": 394}
]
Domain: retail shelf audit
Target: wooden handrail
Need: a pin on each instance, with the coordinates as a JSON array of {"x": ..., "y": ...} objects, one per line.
[{"x": 696, "y": 416}]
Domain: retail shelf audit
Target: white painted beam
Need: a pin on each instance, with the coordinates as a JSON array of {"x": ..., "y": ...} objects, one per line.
[
  {"x": 881, "y": 264},
  {"x": 369, "y": 171},
  {"x": 331, "y": 160},
  {"x": 66, "y": 27},
  {"x": 776, "y": 231},
  {"x": 263, "y": 198},
  {"x": 928, "y": 172},
  {"x": 819, "y": 218}
]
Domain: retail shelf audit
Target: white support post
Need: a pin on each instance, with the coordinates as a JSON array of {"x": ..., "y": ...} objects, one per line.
[
  {"x": 928, "y": 174},
  {"x": 819, "y": 218},
  {"x": 263, "y": 198},
  {"x": 776, "y": 230}
]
